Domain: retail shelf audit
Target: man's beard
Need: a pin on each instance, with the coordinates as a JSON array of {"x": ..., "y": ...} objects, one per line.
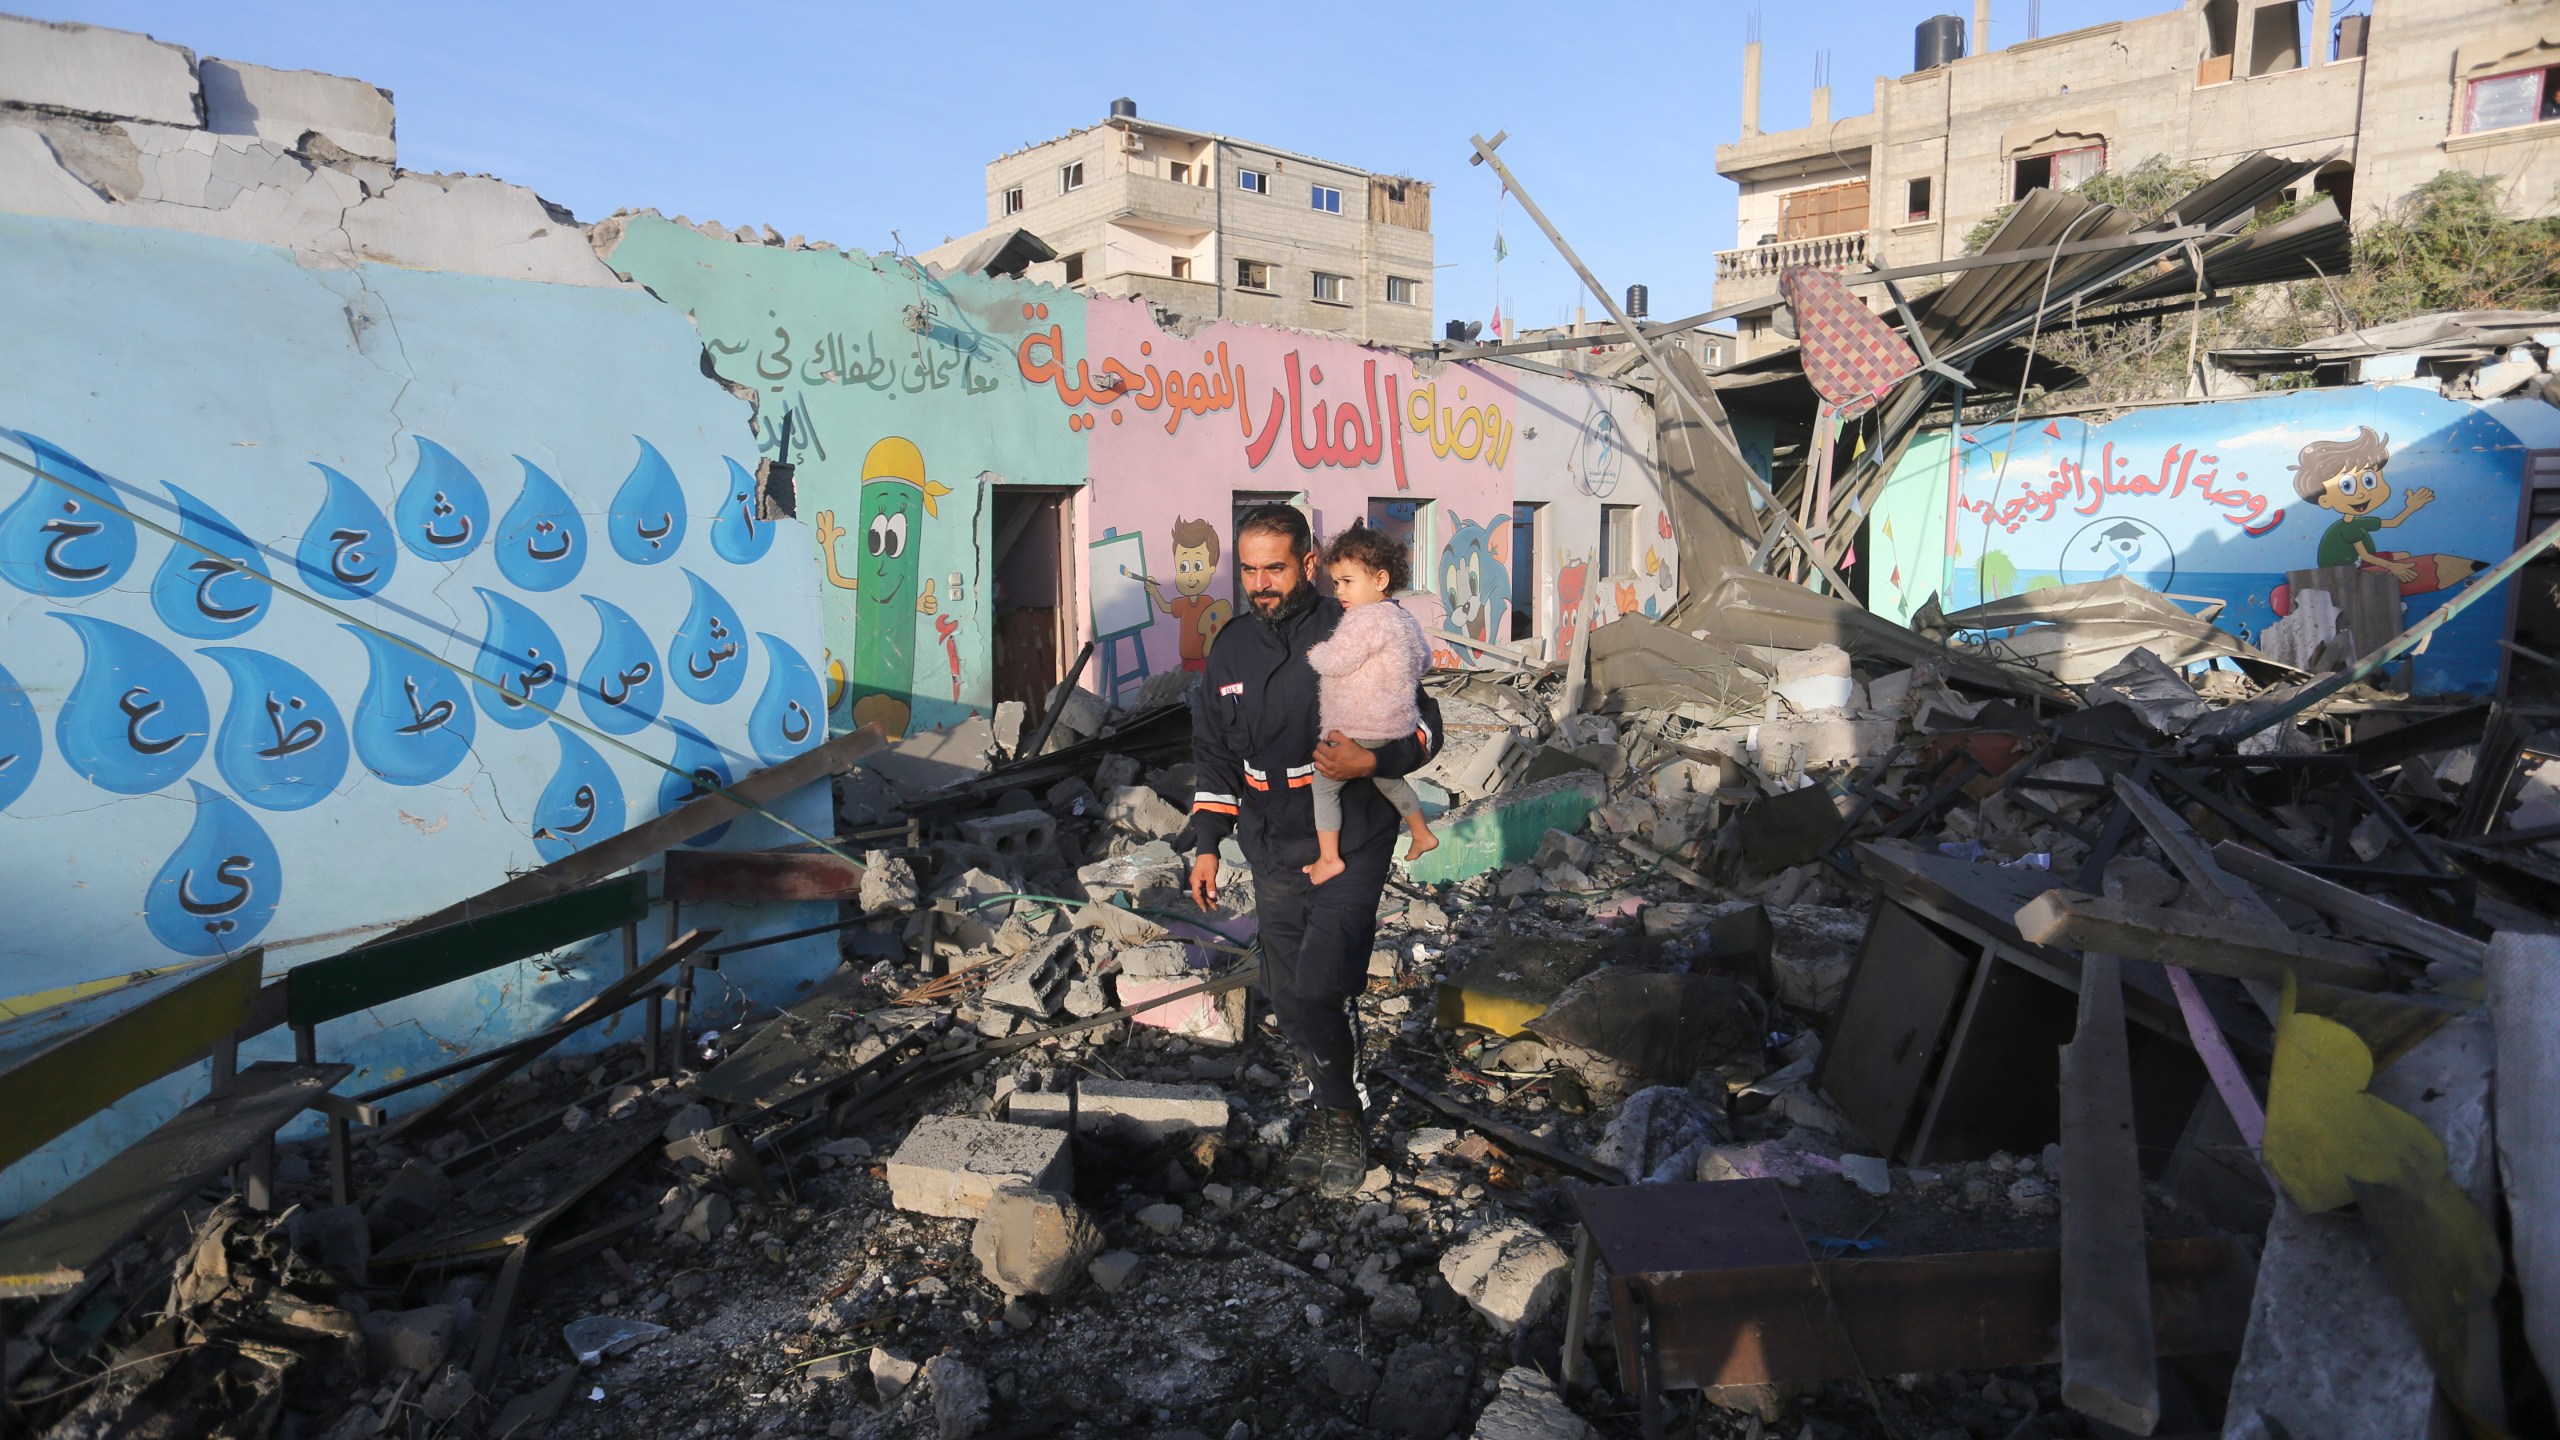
[{"x": 1296, "y": 599}]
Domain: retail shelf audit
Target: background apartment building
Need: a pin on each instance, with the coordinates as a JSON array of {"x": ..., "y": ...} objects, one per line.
[
  {"x": 2411, "y": 89},
  {"x": 1210, "y": 227}
]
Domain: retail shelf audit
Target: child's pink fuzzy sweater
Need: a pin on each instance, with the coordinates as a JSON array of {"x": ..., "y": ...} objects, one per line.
[{"x": 1370, "y": 665}]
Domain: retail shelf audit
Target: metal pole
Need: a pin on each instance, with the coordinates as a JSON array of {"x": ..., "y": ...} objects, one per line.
[
  {"x": 2408, "y": 639},
  {"x": 1706, "y": 418},
  {"x": 1049, "y": 721}
]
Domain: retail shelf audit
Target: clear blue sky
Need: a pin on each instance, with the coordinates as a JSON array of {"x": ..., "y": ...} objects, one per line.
[{"x": 845, "y": 122}]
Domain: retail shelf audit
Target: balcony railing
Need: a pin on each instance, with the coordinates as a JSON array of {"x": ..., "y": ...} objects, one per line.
[{"x": 1763, "y": 262}]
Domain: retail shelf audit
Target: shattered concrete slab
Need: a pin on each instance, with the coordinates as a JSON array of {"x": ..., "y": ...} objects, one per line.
[
  {"x": 91, "y": 70},
  {"x": 1141, "y": 1110}
]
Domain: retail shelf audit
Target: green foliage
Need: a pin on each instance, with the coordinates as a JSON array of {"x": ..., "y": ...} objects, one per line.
[{"x": 2449, "y": 246}]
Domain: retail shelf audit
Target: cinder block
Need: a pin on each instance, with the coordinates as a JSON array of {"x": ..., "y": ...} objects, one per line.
[
  {"x": 1136, "y": 1109},
  {"x": 1022, "y": 832},
  {"x": 952, "y": 1166},
  {"x": 1036, "y": 983}
]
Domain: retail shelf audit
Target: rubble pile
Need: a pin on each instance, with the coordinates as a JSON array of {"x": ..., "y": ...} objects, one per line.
[{"x": 1796, "y": 928}]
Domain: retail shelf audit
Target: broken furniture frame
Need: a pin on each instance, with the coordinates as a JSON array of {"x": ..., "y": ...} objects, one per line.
[
  {"x": 62, "y": 1245},
  {"x": 1947, "y": 1046},
  {"x": 1710, "y": 1284},
  {"x": 398, "y": 967},
  {"x": 745, "y": 877}
]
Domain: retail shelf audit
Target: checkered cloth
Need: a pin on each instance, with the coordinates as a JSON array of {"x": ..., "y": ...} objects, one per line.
[{"x": 1850, "y": 354}]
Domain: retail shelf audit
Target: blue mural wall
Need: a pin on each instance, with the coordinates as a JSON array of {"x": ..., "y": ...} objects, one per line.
[
  {"x": 530, "y": 483},
  {"x": 2209, "y": 501}
]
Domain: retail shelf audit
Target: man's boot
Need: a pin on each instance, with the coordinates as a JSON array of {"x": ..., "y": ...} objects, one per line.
[{"x": 1331, "y": 1155}]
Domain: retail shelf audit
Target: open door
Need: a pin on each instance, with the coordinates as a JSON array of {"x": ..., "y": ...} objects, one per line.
[{"x": 1034, "y": 605}]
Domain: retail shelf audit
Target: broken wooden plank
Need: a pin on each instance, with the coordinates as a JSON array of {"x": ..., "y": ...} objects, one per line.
[
  {"x": 45, "y": 1093},
  {"x": 1519, "y": 1140},
  {"x": 621, "y": 992},
  {"x": 493, "y": 1318},
  {"x": 762, "y": 1068},
  {"x": 2209, "y": 943},
  {"x": 394, "y": 969},
  {"x": 2109, "y": 1369},
  {"x": 2377, "y": 919},
  {"x": 2187, "y": 852},
  {"x": 54, "y": 1246},
  {"x": 759, "y": 876},
  {"x": 616, "y": 853},
  {"x": 536, "y": 1186}
]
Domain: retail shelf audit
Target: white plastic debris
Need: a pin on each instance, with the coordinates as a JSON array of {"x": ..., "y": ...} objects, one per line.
[{"x": 596, "y": 1336}]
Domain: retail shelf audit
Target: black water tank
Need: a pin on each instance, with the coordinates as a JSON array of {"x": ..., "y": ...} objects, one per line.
[
  {"x": 1939, "y": 39},
  {"x": 1124, "y": 108},
  {"x": 1639, "y": 299}
]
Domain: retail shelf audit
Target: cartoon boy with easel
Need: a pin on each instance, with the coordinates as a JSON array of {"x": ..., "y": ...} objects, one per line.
[{"x": 1195, "y": 558}]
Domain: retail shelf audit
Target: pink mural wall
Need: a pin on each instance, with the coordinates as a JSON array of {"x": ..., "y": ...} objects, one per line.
[{"x": 1184, "y": 433}]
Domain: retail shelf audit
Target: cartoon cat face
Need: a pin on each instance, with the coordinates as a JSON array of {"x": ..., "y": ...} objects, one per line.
[{"x": 1473, "y": 582}]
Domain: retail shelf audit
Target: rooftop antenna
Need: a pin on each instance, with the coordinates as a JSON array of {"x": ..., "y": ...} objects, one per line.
[
  {"x": 2035, "y": 19},
  {"x": 1751, "y": 27}
]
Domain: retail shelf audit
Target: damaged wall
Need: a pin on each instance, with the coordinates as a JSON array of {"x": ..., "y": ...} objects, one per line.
[
  {"x": 2200, "y": 501},
  {"x": 523, "y": 478},
  {"x": 907, "y": 396}
]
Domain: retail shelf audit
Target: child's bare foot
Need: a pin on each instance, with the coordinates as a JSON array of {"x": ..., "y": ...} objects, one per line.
[
  {"x": 1324, "y": 869},
  {"x": 1424, "y": 842}
]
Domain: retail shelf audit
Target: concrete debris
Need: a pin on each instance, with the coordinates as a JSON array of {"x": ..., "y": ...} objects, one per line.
[
  {"x": 891, "y": 1373},
  {"x": 1139, "y": 1111},
  {"x": 1527, "y": 1406},
  {"x": 888, "y": 883},
  {"x": 960, "y": 1398},
  {"x": 1423, "y": 1394},
  {"x": 413, "y": 1340},
  {"x": 1508, "y": 1271},
  {"x": 1031, "y": 1242}
]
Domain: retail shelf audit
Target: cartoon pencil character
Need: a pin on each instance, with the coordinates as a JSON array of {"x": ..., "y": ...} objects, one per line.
[
  {"x": 896, "y": 498},
  {"x": 1197, "y": 618},
  {"x": 2344, "y": 477}
]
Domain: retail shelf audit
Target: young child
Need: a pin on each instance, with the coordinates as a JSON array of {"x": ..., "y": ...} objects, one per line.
[{"x": 1370, "y": 665}]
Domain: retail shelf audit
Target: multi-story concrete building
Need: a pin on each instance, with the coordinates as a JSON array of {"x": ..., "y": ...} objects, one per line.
[
  {"x": 1211, "y": 227},
  {"x": 2413, "y": 88}
]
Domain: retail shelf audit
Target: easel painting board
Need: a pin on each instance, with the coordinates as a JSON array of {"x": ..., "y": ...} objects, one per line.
[{"x": 1121, "y": 601}]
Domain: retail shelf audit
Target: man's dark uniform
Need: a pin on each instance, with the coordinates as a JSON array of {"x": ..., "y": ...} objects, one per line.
[{"x": 1253, "y": 739}]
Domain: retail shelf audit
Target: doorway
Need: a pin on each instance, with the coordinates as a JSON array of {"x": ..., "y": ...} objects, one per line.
[
  {"x": 1525, "y": 599},
  {"x": 2532, "y": 661},
  {"x": 1033, "y": 530},
  {"x": 1241, "y": 502}
]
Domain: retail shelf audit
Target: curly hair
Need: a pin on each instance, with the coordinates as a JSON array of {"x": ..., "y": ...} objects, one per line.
[
  {"x": 2324, "y": 460},
  {"x": 1374, "y": 550}
]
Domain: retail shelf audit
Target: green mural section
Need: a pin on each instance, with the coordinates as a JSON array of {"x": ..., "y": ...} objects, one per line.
[
  {"x": 1907, "y": 538},
  {"x": 894, "y": 397}
]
